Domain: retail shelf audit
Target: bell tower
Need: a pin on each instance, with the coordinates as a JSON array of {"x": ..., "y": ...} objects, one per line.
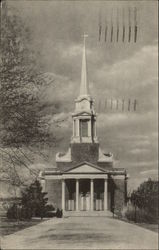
[
  {"x": 84, "y": 116},
  {"x": 84, "y": 145}
]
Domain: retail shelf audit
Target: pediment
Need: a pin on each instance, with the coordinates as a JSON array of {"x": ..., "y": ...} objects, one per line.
[
  {"x": 83, "y": 113},
  {"x": 85, "y": 168},
  {"x": 84, "y": 98}
]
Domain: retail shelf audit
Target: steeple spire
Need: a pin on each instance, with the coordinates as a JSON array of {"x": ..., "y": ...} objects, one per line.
[
  {"x": 84, "y": 88},
  {"x": 84, "y": 117}
]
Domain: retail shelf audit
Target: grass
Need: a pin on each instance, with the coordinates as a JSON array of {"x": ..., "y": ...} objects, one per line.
[
  {"x": 11, "y": 226},
  {"x": 150, "y": 226}
]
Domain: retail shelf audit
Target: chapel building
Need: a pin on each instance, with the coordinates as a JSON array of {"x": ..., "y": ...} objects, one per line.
[{"x": 84, "y": 179}]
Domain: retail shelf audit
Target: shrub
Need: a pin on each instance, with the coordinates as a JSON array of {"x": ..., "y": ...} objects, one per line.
[
  {"x": 34, "y": 199},
  {"x": 138, "y": 215},
  {"x": 50, "y": 214},
  {"x": 33, "y": 203},
  {"x": 59, "y": 213},
  {"x": 12, "y": 212},
  {"x": 17, "y": 212},
  {"x": 49, "y": 211},
  {"x": 146, "y": 197},
  {"x": 49, "y": 207}
]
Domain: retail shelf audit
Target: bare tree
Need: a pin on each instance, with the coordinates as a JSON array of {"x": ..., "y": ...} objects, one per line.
[{"x": 24, "y": 123}]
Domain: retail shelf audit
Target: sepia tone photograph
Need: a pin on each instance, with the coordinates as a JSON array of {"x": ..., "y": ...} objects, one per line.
[{"x": 79, "y": 124}]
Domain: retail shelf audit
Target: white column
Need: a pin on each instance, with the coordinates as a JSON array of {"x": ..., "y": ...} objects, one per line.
[
  {"x": 95, "y": 129},
  {"x": 74, "y": 127},
  {"x": 63, "y": 195},
  {"x": 77, "y": 127},
  {"x": 105, "y": 194},
  {"x": 89, "y": 128},
  {"x": 92, "y": 193},
  {"x": 77, "y": 194}
]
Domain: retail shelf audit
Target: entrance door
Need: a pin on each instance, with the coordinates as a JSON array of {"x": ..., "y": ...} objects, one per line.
[
  {"x": 82, "y": 202},
  {"x": 84, "y": 190},
  {"x": 88, "y": 200},
  {"x": 99, "y": 204},
  {"x": 85, "y": 201},
  {"x": 71, "y": 205}
]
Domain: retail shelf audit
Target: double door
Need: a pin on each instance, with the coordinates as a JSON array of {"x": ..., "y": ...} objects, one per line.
[{"x": 85, "y": 201}]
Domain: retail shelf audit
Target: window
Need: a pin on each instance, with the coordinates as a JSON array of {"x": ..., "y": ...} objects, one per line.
[{"x": 84, "y": 128}]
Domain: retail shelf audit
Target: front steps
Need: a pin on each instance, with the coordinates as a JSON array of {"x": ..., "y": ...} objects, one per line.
[{"x": 87, "y": 213}]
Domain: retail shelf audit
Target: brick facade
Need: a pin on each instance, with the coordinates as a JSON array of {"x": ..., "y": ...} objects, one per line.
[
  {"x": 84, "y": 152},
  {"x": 54, "y": 192},
  {"x": 119, "y": 191},
  {"x": 81, "y": 152}
]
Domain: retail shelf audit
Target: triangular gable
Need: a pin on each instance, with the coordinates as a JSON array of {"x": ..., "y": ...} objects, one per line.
[
  {"x": 81, "y": 98},
  {"x": 82, "y": 113},
  {"x": 85, "y": 167}
]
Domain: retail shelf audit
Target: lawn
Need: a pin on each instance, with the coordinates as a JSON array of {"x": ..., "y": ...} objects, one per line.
[
  {"x": 11, "y": 226},
  {"x": 150, "y": 226}
]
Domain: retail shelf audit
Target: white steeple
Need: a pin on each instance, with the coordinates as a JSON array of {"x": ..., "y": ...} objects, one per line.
[
  {"x": 84, "y": 116},
  {"x": 84, "y": 88}
]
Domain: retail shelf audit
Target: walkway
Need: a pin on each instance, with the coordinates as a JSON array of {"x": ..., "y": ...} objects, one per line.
[{"x": 82, "y": 233}]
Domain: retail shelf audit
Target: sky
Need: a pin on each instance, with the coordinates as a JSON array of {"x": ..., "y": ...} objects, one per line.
[{"x": 115, "y": 70}]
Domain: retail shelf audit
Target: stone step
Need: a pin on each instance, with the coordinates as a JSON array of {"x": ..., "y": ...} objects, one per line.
[{"x": 87, "y": 213}]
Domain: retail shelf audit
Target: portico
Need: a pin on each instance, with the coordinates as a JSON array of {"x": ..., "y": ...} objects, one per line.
[
  {"x": 85, "y": 188},
  {"x": 88, "y": 200}
]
